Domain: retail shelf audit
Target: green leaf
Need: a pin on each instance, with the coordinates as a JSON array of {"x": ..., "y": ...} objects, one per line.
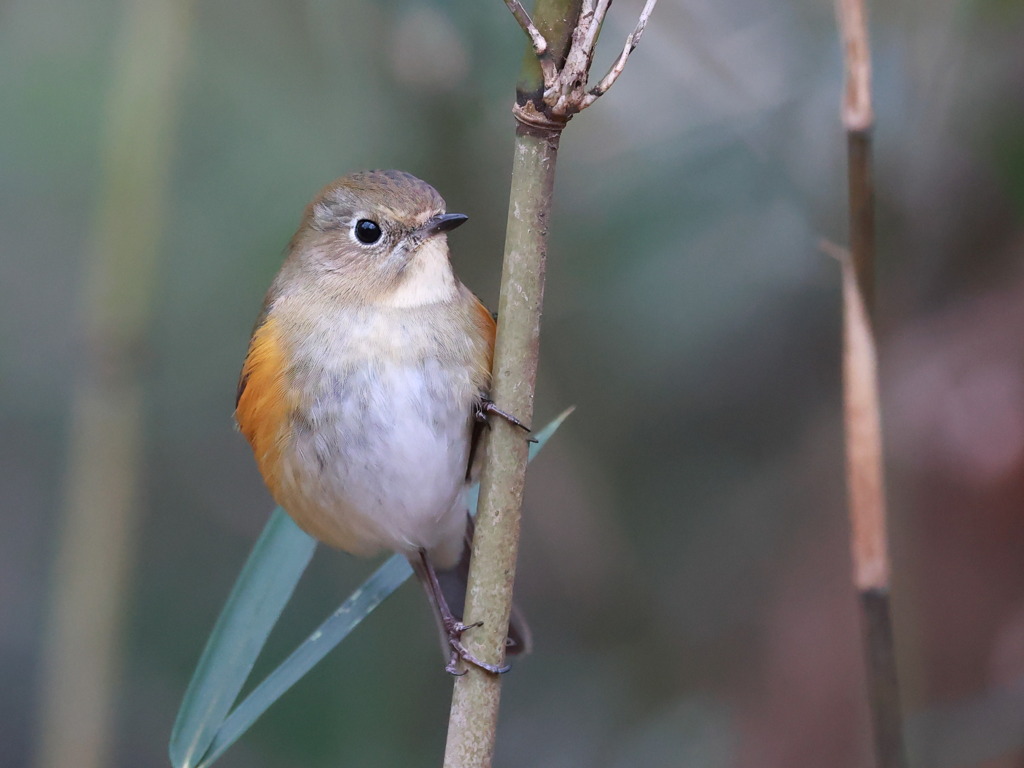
[
  {"x": 201, "y": 733},
  {"x": 261, "y": 592},
  {"x": 360, "y": 604}
]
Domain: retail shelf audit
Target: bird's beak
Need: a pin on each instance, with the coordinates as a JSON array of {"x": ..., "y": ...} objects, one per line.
[{"x": 446, "y": 222}]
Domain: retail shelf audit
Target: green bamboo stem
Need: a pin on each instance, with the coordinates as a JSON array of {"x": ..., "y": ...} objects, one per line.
[
  {"x": 96, "y": 538},
  {"x": 475, "y": 700}
]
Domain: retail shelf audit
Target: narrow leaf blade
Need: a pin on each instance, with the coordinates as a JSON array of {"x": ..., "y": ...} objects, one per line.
[
  {"x": 257, "y": 599},
  {"x": 384, "y": 581}
]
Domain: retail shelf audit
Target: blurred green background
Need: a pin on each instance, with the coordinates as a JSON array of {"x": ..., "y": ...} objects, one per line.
[{"x": 684, "y": 563}]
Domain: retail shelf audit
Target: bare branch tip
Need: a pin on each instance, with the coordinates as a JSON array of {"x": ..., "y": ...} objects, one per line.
[
  {"x": 632, "y": 41},
  {"x": 600, "y": 11},
  {"x": 641, "y": 23},
  {"x": 540, "y": 44}
]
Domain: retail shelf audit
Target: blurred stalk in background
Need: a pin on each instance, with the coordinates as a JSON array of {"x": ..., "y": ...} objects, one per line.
[
  {"x": 865, "y": 476},
  {"x": 95, "y": 554}
]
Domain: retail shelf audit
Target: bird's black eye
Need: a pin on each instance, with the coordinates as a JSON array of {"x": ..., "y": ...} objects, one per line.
[{"x": 367, "y": 232}]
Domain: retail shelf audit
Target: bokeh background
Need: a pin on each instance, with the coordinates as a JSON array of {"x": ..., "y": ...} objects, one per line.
[{"x": 684, "y": 563}]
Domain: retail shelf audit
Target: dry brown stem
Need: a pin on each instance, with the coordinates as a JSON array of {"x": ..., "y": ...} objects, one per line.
[{"x": 864, "y": 453}]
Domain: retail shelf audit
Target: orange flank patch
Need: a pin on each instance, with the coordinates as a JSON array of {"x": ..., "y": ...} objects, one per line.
[{"x": 262, "y": 408}]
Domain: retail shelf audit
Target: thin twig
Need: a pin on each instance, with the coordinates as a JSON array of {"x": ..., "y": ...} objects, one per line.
[
  {"x": 564, "y": 89},
  {"x": 540, "y": 45},
  {"x": 594, "y": 28},
  {"x": 620, "y": 63}
]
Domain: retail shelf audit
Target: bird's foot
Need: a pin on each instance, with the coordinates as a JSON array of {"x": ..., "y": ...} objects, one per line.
[
  {"x": 487, "y": 407},
  {"x": 459, "y": 652}
]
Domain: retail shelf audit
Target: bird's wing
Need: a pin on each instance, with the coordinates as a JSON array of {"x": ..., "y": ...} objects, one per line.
[{"x": 488, "y": 328}]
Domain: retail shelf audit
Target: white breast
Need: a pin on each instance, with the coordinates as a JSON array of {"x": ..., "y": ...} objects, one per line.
[{"x": 380, "y": 460}]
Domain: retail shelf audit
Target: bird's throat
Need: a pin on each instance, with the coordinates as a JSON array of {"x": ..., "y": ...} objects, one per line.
[{"x": 427, "y": 279}]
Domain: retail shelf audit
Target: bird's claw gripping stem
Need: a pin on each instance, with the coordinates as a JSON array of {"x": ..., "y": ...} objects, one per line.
[
  {"x": 459, "y": 651},
  {"x": 487, "y": 407}
]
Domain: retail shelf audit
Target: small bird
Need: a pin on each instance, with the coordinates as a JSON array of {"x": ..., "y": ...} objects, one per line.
[{"x": 366, "y": 382}]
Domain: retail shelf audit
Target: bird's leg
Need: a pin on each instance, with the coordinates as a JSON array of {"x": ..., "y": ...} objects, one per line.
[
  {"x": 454, "y": 627},
  {"x": 487, "y": 406}
]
